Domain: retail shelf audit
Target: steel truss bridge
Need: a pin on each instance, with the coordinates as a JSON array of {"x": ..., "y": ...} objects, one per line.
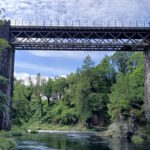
[{"x": 73, "y": 37}]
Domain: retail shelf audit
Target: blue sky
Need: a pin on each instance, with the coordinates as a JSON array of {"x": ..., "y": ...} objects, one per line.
[
  {"x": 52, "y": 63},
  {"x": 62, "y": 63}
]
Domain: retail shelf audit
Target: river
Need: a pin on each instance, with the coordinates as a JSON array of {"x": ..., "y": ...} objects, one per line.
[{"x": 73, "y": 141}]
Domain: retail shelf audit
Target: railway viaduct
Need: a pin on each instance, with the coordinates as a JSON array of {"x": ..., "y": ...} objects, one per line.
[{"x": 71, "y": 37}]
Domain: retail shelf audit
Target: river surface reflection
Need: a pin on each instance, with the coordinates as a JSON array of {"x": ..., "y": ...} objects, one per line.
[{"x": 73, "y": 141}]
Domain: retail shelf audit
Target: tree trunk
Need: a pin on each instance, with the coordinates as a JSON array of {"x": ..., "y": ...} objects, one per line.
[
  {"x": 41, "y": 106},
  {"x": 48, "y": 100}
]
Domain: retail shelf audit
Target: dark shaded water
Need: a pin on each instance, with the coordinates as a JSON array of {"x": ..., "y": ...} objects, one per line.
[{"x": 73, "y": 141}]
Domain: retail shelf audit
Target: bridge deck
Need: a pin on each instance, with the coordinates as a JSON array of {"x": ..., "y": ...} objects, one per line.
[{"x": 79, "y": 38}]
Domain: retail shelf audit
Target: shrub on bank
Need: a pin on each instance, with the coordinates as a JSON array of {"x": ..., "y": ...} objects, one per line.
[
  {"x": 6, "y": 140},
  {"x": 7, "y": 144},
  {"x": 137, "y": 139},
  {"x": 11, "y": 133},
  {"x": 34, "y": 132}
]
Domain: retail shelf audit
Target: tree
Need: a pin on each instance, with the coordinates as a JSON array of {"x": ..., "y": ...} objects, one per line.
[
  {"x": 47, "y": 89},
  {"x": 91, "y": 96},
  {"x": 119, "y": 60},
  {"x": 28, "y": 91},
  {"x": 38, "y": 92},
  {"x": 127, "y": 96},
  {"x": 88, "y": 63},
  {"x": 106, "y": 72},
  {"x": 120, "y": 98},
  {"x": 59, "y": 86},
  {"x": 21, "y": 110},
  {"x": 91, "y": 92}
]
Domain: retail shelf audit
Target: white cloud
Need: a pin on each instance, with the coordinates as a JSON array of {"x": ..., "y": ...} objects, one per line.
[
  {"x": 70, "y": 54},
  {"x": 25, "y": 77},
  {"x": 74, "y": 10},
  {"x": 43, "y": 69},
  {"x": 78, "y": 9}
]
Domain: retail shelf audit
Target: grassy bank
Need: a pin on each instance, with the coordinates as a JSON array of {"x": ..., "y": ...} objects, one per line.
[
  {"x": 7, "y": 140},
  {"x": 38, "y": 126},
  {"x": 11, "y": 134}
]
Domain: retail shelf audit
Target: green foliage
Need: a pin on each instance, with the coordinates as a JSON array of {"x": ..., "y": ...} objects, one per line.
[
  {"x": 120, "y": 59},
  {"x": 3, "y": 97},
  {"x": 3, "y": 45},
  {"x": 12, "y": 133},
  {"x": 61, "y": 113},
  {"x": 127, "y": 96},
  {"x": 34, "y": 132},
  {"x": 7, "y": 144},
  {"x": 3, "y": 80},
  {"x": 90, "y": 97},
  {"x": 59, "y": 86},
  {"x": 28, "y": 90},
  {"x": 2, "y": 23},
  {"x": 88, "y": 63},
  {"x": 120, "y": 98},
  {"x": 21, "y": 109},
  {"x": 47, "y": 88},
  {"x": 137, "y": 139}
]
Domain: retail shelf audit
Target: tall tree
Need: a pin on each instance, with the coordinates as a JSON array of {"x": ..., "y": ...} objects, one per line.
[
  {"x": 59, "y": 86},
  {"x": 47, "y": 89},
  {"x": 88, "y": 63},
  {"x": 127, "y": 96},
  {"x": 21, "y": 110},
  {"x": 90, "y": 93},
  {"x": 120, "y": 59},
  {"x": 28, "y": 92},
  {"x": 38, "y": 92}
]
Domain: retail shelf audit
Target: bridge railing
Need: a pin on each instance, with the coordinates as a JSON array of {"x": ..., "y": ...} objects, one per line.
[{"x": 81, "y": 23}]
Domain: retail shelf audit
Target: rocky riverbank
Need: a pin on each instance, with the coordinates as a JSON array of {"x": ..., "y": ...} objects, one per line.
[{"x": 128, "y": 129}]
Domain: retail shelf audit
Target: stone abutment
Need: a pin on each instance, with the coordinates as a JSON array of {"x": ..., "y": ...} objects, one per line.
[{"x": 7, "y": 71}]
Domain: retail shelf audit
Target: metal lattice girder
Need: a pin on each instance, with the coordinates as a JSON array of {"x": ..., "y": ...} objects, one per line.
[{"x": 80, "y": 38}]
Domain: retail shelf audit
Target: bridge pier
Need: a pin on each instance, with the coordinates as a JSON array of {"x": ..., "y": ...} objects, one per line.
[
  {"x": 147, "y": 83},
  {"x": 7, "y": 71}
]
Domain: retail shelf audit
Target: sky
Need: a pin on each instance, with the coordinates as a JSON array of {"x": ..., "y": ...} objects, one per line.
[{"x": 54, "y": 63}]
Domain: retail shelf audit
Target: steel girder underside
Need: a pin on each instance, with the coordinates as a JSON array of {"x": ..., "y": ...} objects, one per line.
[{"x": 80, "y": 38}]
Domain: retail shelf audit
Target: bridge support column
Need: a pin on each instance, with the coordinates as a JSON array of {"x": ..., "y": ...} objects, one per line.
[
  {"x": 7, "y": 71},
  {"x": 147, "y": 83}
]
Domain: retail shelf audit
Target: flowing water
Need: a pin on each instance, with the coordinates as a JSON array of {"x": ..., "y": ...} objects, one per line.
[{"x": 73, "y": 141}]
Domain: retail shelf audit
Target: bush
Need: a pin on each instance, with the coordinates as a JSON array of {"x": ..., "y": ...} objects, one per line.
[
  {"x": 137, "y": 139},
  {"x": 11, "y": 133},
  {"x": 7, "y": 144},
  {"x": 34, "y": 132}
]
